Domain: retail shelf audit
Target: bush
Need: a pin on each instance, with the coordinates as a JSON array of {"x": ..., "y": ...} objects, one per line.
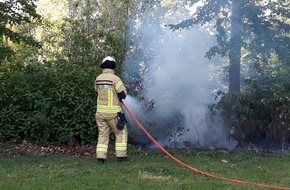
[
  {"x": 262, "y": 109},
  {"x": 50, "y": 102}
]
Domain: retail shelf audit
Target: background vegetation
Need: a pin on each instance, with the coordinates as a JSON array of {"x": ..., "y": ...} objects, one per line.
[
  {"x": 49, "y": 59},
  {"x": 49, "y": 102},
  {"x": 261, "y": 110}
]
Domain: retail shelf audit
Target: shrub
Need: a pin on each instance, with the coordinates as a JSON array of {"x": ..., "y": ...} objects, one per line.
[
  {"x": 50, "y": 102},
  {"x": 262, "y": 109}
]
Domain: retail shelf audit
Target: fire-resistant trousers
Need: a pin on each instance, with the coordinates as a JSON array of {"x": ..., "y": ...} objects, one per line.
[{"x": 105, "y": 126}]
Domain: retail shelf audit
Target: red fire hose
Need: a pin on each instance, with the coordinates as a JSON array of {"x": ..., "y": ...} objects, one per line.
[{"x": 194, "y": 169}]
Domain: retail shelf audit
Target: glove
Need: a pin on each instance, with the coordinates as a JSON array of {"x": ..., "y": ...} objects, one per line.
[{"x": 121, "y": 121}]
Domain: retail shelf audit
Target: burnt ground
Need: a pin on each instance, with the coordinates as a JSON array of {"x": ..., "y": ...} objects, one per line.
[{"x": 31, "y": 148}]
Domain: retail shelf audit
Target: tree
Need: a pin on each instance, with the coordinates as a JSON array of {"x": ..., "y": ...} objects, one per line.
[
  {"x": 235, "y": 46},
  {"x": 96, "y": 28},
  {"x": 14, "y": 13},
  {"x": 253, "y": 28},
  {"x": 50, "y": 30}
]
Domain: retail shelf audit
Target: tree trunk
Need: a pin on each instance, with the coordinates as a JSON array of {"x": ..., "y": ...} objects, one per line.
[
  {"x": 236, "y": 44},
  {"x": 88, "y": 30}
]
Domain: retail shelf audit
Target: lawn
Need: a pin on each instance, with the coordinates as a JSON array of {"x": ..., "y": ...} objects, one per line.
[{"x": 147, "y": 169}]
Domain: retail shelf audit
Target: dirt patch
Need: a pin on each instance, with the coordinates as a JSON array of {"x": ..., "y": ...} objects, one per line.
[{"x": 30, "y": 148}]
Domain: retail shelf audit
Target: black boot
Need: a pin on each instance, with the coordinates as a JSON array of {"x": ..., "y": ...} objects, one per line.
[
  {"x": 101, "y": 160},
  {"x": 122, "y": 159}
]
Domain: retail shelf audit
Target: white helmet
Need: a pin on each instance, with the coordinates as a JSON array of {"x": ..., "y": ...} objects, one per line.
[
  {"x": 109, "y": 58},
  {"x": 109, "y": 63}
]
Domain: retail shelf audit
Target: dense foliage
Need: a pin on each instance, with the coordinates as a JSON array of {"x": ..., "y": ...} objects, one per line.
[
  {"x": 53, "y": 101},
  {"x": 50, "y": 102},
  {"x": 262, "y": 109}
]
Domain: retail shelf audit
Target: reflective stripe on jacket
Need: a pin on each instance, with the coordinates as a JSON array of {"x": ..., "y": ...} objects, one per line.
[{"x": 107, "y": 86}]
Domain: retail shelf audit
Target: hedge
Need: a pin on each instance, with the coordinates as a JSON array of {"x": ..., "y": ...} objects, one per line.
[{"x": 47, "y": 103}]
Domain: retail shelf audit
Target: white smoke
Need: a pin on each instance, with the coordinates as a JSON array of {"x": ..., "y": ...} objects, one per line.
[{"x": 177, "y": 79}]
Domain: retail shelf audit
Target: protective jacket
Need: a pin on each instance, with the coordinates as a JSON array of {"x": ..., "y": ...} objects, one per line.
[
  {"x": 110, "y": 90},
  {"x": 108, "y": 86}
]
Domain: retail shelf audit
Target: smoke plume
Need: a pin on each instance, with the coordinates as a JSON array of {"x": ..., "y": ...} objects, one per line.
[{"x": 171, "y": 84}]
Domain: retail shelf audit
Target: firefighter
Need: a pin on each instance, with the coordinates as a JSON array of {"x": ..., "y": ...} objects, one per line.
[{"x": 110, "y": 91}]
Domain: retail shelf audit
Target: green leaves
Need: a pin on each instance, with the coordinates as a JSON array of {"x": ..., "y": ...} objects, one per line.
[
  {"x": 15, "y": 13},
  {"x": 262, "y": 107},
  {"x": 48, "y": 103}
]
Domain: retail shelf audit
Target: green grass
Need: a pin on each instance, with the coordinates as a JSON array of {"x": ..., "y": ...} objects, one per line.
[{"x": 146, "y": 170}]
